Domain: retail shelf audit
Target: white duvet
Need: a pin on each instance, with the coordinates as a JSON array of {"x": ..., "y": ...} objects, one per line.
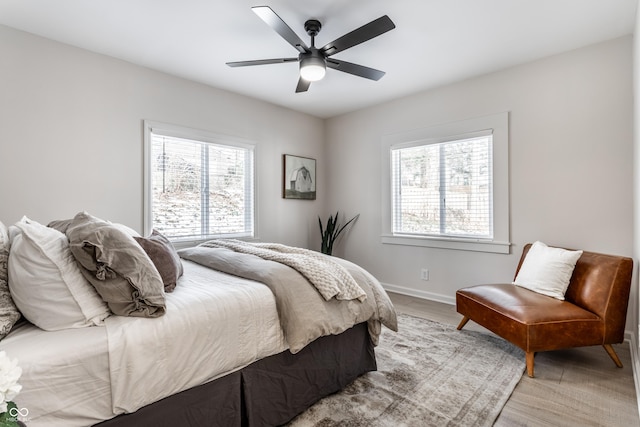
[{"x": 215, "y": 324}]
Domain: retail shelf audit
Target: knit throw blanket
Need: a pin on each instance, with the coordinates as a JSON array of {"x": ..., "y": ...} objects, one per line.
[{"x": 328, "y": 277}]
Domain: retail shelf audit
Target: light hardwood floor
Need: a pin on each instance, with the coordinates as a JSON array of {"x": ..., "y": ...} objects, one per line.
[{"x": 577, "y": 387}]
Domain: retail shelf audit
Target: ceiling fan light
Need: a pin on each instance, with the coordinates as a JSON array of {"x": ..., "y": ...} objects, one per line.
[{"x": 313, "y": 68}]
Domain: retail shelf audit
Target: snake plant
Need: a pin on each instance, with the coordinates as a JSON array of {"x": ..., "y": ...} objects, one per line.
[{"x": 331, "y": 232}]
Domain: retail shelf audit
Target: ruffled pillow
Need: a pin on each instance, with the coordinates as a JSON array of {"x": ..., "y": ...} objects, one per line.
[{"x": 117, "y": 267}]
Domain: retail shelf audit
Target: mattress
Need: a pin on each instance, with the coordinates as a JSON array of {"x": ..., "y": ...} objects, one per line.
[{"x": 215, "y": 324}]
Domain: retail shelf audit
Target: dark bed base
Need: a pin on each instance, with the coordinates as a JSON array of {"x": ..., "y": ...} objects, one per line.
[{"x": 269, "y": 392}]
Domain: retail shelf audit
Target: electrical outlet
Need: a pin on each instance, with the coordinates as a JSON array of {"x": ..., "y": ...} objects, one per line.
[{"x": 424, "y": 274}]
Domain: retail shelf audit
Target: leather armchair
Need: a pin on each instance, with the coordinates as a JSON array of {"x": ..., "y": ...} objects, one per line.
[{"x": 593, "y": 313}]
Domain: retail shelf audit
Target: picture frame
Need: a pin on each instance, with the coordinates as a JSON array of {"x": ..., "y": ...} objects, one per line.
[{"x": 298, "y": 177}]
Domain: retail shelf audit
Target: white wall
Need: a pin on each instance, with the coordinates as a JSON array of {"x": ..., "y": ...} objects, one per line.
[
  {"x": 571, "y": 165},
  {"x": 71, "y": 136}
]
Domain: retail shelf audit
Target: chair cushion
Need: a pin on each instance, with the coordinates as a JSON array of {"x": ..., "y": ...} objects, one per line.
[{"x": 532, "y": 321}]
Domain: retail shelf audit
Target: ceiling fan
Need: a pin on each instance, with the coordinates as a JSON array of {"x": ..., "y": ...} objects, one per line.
[{"x": 314, "y": 61}]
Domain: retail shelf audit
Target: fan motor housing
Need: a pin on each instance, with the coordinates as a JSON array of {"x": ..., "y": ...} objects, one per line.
[{"x": 312, "y": 27}]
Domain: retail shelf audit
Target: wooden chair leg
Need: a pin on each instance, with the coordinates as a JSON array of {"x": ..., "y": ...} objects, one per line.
[
  {"x": 612, "y": 353},
  {"x": 529, "y": 358},
  {"x": 463, "y": 322}
]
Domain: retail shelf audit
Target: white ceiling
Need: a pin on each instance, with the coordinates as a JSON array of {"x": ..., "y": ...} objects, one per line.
[{"x": 435, "y": 42}]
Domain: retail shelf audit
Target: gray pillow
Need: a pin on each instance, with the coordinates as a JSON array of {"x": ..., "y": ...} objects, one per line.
[
  {"x": 9, "y": 313},
  {"x": 62, "y": 225},
  {"x": 164, "y": 257},
  {"x": 117, "y": 267}
]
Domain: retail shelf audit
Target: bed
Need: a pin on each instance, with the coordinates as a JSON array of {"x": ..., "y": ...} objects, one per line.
[{"x": 230, "y": 349}]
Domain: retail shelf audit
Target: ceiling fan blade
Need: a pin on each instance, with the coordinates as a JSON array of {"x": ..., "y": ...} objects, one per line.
[
  {"x": 261, "y": 62},
  {"x": 274, "y": 21},
  {"x": 303, "y": 85},
  {"x": 355, "y": 69},
  {"x": 359, "y": 35}
]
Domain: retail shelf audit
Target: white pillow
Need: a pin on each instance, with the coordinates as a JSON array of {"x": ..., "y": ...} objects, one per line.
[
  {"x": 547, "y": 270},
  {"x": 46, "y": 283}
]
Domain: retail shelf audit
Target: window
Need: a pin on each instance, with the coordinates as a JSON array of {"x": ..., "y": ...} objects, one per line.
[
  {"x": 197, "y": 185},
  {"x": 448, "y": 186},
  {"x": 443, "y": 189}
]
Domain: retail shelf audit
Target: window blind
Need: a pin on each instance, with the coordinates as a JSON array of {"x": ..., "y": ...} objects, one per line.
[
  {"x": 201, "y": 189},
  {"x": 443, "y": 188}
]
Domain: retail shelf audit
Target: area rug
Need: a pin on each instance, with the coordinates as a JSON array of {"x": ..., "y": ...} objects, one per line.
[{"x": 429, "y": 374}]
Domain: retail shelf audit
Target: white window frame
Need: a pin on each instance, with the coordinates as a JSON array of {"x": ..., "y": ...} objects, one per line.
[
  {"x": 200, "y": 136},
  {"x": 498, "y": 125}
]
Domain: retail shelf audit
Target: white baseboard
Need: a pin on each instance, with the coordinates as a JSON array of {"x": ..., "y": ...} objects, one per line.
[
  {"x": 419, "y": 294},
  {"x": 630, "y": 337}
]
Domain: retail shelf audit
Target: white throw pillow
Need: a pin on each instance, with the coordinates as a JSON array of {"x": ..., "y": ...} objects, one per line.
[
  {"x": 547, "y": 270},
  {"x": 46, "y": 283}
]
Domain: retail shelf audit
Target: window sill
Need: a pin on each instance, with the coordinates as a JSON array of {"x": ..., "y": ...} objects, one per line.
[{"x": 449, "y": 243}]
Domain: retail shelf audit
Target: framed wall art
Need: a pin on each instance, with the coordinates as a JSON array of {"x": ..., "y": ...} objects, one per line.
[{"x": 298, "y": 177}]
